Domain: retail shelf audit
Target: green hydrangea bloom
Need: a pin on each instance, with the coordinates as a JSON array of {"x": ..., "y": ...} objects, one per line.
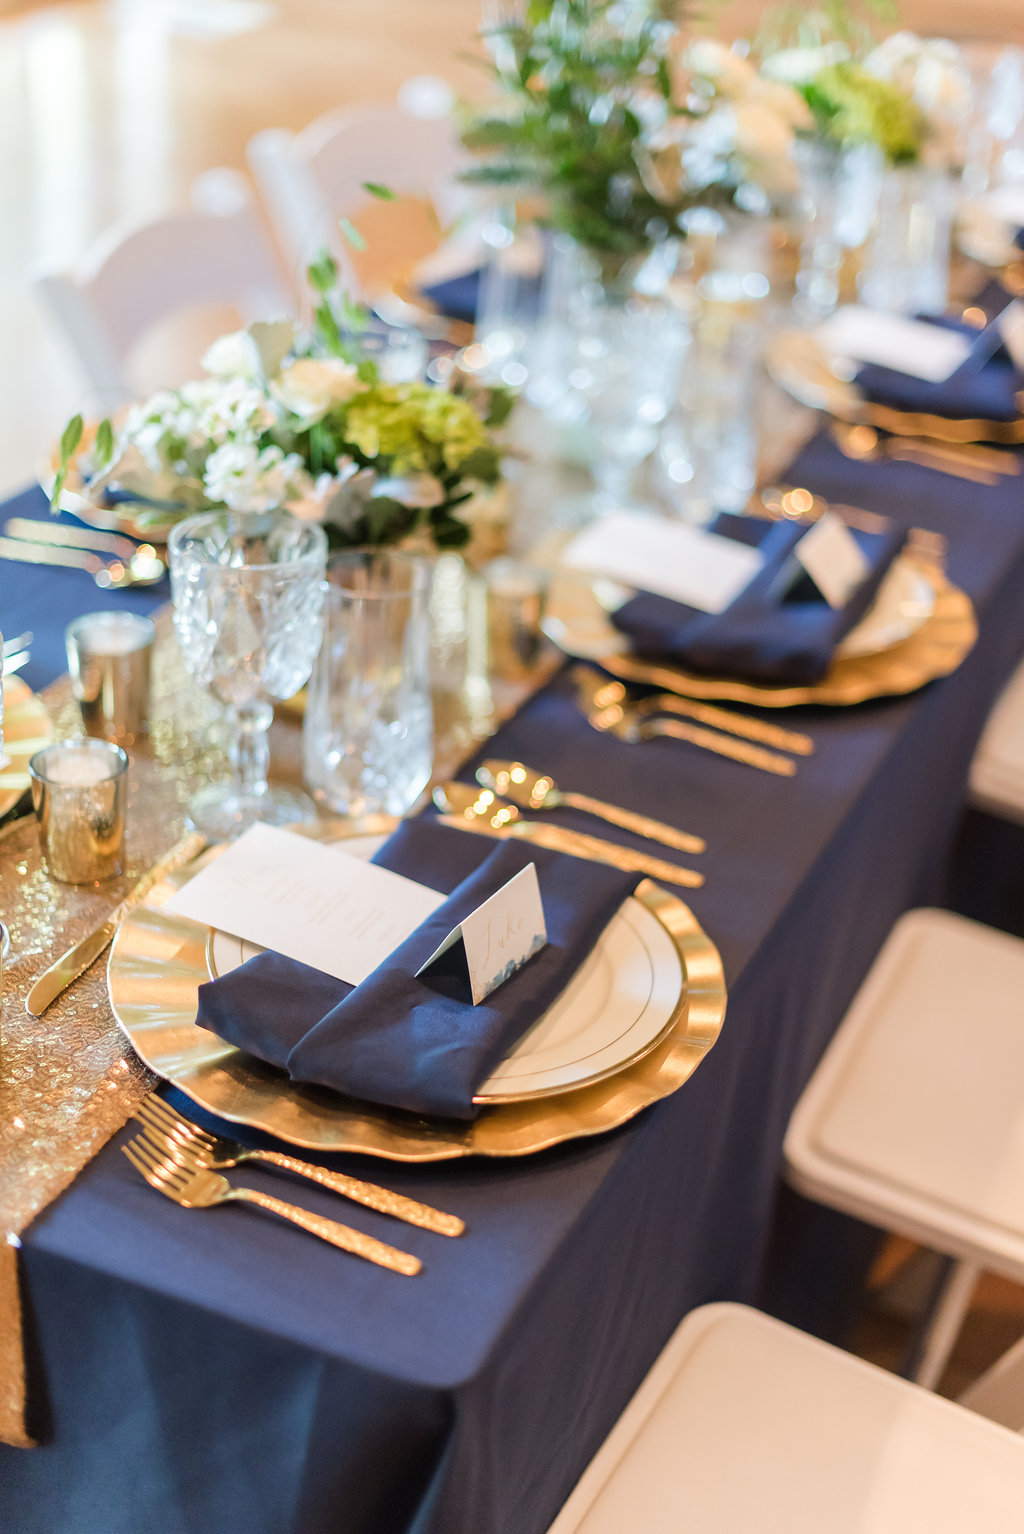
[
  {"x": 854, "y": 107},
  {"x": 417, "y": 427}
]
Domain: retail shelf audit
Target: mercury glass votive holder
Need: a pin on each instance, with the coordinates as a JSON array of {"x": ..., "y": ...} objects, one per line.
[
  {"x": 109, "y": 663},
  {"x": 79, "y": 793}
]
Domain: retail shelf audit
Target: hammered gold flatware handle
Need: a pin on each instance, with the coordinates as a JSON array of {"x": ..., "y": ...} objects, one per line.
[
  {"x": 710, "y": 740},
  {"x": 629, "y": 820},
  {"x": 330, "y": 1230},
  {"x": 732, "y": 724},
  {"x": 597, "y": 850},
  {"x": 367, "y": 1193},
  {"x": 577, "y": 845}
]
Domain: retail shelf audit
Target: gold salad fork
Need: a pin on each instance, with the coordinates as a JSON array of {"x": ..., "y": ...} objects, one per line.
[
  {"x": 197, "y": 1188},
  {"x": 182, "y": 1140}
]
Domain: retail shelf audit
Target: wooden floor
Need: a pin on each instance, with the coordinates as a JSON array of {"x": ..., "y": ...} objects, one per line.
[{"x": 108, "y": 110}]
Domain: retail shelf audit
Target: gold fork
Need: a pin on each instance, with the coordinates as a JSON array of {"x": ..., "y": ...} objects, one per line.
[
  {"x": 201, "y": 1189},
  {"x": 177, "y": 1135}
]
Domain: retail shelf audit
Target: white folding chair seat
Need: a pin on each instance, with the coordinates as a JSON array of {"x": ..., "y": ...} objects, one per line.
[
  {"x": 746, "y": 1426},
  {"x": 914, "y": 1119},
  {"x": 312, "y": 179},
  {"x": 133, "y": 277},
  {"x": 997, "y": 771}
]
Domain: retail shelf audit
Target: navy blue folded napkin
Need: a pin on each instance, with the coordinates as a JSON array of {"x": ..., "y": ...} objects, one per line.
[
  {"x": 419, "y": 1044},
  {"x": 779, "y": 629},
  {"x": 457, "y": 297},
  {"x": 984, "y": 387}
]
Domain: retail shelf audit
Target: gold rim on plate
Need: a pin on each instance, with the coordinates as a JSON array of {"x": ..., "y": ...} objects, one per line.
[
  {"x": 27, "y": 728},
  {"x": 158, "y": 961},
  {"x": 800, "y": 365},
  {"x": 934, "y": 649}
]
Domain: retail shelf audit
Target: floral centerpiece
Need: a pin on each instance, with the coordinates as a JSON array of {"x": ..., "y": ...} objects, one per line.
[
  {"x": 305, "y": 422},
  {"x": 622, "y": 127}
]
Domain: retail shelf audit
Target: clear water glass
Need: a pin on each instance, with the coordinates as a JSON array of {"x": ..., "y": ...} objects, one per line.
[
  {"x": 368, "y": 733},
  {"x": 248, "y": 593},
  {"x": 627, "y": 367}
]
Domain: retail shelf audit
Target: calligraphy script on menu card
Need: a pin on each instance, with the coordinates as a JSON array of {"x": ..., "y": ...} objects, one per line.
[{"x": 316, "y": 904}]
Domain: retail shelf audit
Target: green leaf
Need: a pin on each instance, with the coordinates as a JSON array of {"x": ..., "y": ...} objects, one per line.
[
  {"x": 72, "y": 436},
  {"x": 351, "y": 233},
  {"x": 451, "y": 534},
  {"x": 322, "y": 272},
  {"x": 375, "y": 189},
  {"x": 104, "y": 442}
]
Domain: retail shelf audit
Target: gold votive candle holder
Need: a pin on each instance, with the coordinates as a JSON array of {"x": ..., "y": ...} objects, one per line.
[
  {"x": 109, "y": 664},
  {"x": 79, "y": 793}
]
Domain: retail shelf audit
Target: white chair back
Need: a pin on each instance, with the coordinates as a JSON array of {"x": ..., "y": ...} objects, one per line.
[
  {"x": 133, "y": 277},
  {"x": 310, "y": 180}
]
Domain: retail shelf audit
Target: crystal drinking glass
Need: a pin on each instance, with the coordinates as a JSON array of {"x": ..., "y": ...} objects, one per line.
[
  {"x": 368, "y": 731},
  {"x": 248, "y": 594}
]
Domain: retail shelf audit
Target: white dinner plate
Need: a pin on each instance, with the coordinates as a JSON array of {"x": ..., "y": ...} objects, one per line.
[
  {"x": 615, "y": 1009},
  {"x": 576, "y": 614}
]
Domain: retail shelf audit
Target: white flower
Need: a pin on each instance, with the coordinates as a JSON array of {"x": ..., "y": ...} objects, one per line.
[
  {"x": 254, "y": 354},
  {"x": 233, "y": 409},
  {"x": 233, "y": 356},
  {"x": 798, "y": 66},
  {"x": 730, "y": 74},
  {"x": 336, "y": 499},
  {"x": 310, "y": 386},
  {"x": 246, "y": 478}
]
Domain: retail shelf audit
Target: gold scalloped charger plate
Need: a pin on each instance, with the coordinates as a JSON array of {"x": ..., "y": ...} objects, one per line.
[
  {"x": 27, "y": 729},
  {"x": 799, "y": 364},
  {"x": 935, "y": 648},
  {"x": 158, "y": 961}
]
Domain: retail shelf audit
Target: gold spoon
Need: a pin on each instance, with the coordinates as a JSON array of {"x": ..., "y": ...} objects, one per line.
[{"x": 533, "y": 790}]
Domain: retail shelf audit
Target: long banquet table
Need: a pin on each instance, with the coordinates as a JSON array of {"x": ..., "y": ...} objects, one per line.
[{"x": 220, "y": 1371}]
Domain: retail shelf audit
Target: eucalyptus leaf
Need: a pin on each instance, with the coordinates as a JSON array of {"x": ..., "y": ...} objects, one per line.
[{"x": 351, "y": 233}]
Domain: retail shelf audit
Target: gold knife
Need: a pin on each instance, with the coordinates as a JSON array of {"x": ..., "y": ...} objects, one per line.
[
  {"x": 580, "y": 846},
  {"x": 76, "y": 961}
]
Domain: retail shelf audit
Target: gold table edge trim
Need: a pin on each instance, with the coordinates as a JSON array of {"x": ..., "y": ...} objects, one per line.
[{"x": 232, "y": 1085}]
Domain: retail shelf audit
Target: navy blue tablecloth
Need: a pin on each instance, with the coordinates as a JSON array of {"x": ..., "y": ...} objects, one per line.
[
  {"x": 45, "y": 600},
  {"x": 221, "y": 1371}
]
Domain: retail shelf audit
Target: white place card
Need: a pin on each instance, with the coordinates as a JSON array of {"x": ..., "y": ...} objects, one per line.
[
  {"x": 833, "y": 559},
  {"x": 500, "y": 935},
  {"x": 893, "y": 341},
  {"x": 686, "y": 564},
  {"x": 310, "y": 901},
  {"x": 1010, "y": 325}
]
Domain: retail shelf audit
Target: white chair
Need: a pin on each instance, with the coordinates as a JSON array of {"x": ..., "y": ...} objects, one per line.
[
  {"x": 312, "y": 179},
  {"x": 746, "y": 1426},
  {"x": 135, "y": 276},
  {"x": 914, "y": 1119},
  {"x": 997, "y": 771}
]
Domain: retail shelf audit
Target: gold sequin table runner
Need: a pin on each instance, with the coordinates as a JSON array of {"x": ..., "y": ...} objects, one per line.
[{"x": 68, "y": 1079}]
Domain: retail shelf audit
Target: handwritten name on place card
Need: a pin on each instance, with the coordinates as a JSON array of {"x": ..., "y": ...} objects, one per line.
[
  {"x": 500, "y": 935},
  {"x": 311, "y": 902}
]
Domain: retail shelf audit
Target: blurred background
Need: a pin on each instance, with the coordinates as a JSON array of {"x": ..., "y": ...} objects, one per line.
[{"x": 110, "y": 108}]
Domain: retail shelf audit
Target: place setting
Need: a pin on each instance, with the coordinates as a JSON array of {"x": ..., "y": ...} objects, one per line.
[{"x": 796, "y": 603}]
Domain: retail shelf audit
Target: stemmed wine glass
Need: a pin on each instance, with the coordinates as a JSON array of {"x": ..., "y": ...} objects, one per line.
[{"x": 248, "y": 594}]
